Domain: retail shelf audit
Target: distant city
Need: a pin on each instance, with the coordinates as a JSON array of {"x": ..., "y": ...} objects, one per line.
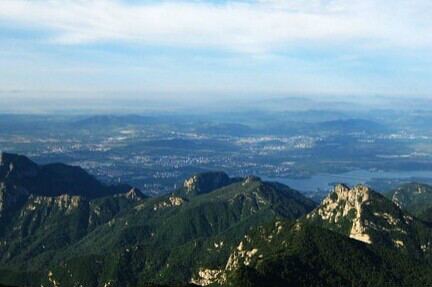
[{"x": 156, "y": 153}]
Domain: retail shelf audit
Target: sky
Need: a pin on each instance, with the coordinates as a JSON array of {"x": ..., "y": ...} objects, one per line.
[{"x": 203, "y": 49}]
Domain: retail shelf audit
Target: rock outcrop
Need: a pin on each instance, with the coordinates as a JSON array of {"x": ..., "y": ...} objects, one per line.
[
  {"x": 205, "y": 182},
  {"x": 345, "y": 205},
  {"x": 367, "y": 216}
]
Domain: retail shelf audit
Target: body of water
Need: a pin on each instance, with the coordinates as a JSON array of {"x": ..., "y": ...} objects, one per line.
[{"x": 326, "y": 181}]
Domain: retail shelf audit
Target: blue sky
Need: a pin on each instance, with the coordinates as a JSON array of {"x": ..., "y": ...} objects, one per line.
[{"x": 202, "y": 48}]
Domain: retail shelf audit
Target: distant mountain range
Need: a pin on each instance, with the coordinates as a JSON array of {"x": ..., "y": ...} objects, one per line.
[
  {"x": 61, "y": 227},
  {"x": 109, "y": 120},
  {"x": 288, "y": 124}
]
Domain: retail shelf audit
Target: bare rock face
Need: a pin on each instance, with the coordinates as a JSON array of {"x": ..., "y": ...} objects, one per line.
[
  {"x": 240, "y": 256},
  {"x": 37, "y": 206},
  {"x": 133, "y": 194},
  {"x": 206, "y": 277},
  {"x": 170, "y": 202},
  {"x": 345, "y": 204},
  {"x": 362, "y": 214},
  {"x": 63, "y": 202},
  {"x": 247, "y": 253},
  {"x": 205, "y": 182}
]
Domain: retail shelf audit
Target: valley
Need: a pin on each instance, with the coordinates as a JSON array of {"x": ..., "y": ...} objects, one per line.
[
  {"x": 310, "y": 150},
  {"x": 62, "y": 227},
  {"x": 215, "y": 143}
]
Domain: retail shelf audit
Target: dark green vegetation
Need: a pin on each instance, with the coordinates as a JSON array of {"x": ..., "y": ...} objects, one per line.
[
  {"x": 396, "y": 249},
  {"x": 52, "y": 179},
  {"x": 366, "y": 215},
  {"x": 414, "y": 197},
  {"x": 304, "y": 255},
  {"x": 124, "y": 239},
  {"x": 61, "y": 227}
]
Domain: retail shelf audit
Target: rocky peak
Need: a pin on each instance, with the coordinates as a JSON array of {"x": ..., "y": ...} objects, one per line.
[
  {"x": 355, "y": 196},
  {"x": 342, "y": 201},
  {"x": 250, "y": 179},
  {"x": 134, "y": 194},
  {"x": 205, "y": 182},
  {"x": 364, "y": 215},
  {"x": 343, "y": 209},
  {"x": 16, "y": 166},
  {"x": 53, "y": 179}
]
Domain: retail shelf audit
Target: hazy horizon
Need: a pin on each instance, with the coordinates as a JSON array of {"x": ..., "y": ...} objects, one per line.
[
  {"x": 251, "y": 50},
  {"x": 130, "y": 103},
  {"x": 185, "y": 143}
]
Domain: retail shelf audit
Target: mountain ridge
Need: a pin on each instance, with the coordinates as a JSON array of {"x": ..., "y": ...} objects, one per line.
[
  {"x": 213, "y": 231},
  {"x": 54, "y": 237},
  {"x": 365, "y": 215},
  {"x": 53, "y": 179},
  {"x": 414, "y": 197}
]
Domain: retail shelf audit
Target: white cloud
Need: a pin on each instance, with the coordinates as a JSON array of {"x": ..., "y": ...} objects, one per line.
[{"x": 259, "y": 26}]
